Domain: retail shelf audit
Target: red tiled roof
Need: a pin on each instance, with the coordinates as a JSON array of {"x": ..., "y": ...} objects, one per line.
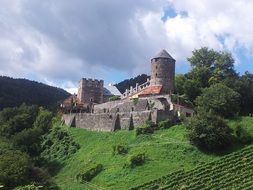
[{"x": 151, "y": 90}]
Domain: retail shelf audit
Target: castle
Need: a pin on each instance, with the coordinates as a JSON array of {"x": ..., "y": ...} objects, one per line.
[{"x": 148, "y": 101}]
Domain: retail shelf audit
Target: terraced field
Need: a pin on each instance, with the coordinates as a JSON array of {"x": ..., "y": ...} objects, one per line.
[{"x": 233, "y": 171}]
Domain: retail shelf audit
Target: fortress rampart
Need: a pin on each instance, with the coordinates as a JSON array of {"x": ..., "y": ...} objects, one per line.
[
  {"x": 148, "y": 101},
  {"x": 127, "y": 114}
]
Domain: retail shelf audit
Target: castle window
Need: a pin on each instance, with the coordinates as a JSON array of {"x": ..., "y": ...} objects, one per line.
[
  {"x": 117, "y": 109},
  {"x": 104, "y": 110},
  {"x": 132, "y": 108},
  {"x": 91, "y": 99},
  {"x": 156, "y": 66},
  {"x": 156, "y": 74}
]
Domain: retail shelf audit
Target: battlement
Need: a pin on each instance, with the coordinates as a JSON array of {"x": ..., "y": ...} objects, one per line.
[{"x": 91, "y": 82}]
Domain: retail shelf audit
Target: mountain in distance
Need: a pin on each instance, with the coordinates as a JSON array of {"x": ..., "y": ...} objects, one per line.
[{"x": 14, "y": 92}]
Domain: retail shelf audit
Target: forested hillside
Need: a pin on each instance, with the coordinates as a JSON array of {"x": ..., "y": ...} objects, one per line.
[
  {"x": 140, "y": 79},
  {"x": 14, "y": 92}
]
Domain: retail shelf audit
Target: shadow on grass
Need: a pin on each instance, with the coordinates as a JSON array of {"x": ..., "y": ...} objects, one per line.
[
  {"x": 54, "y": 167},
  {"x": 236, "y": 146}
]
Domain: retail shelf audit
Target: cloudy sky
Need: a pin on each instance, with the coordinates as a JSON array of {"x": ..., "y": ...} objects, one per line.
[{"x": 60, "y": 41}]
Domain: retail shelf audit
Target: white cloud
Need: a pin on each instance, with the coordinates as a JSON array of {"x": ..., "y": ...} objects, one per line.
[
  {"x": 59, "y": 42},
  {"x": 214, "y": 19}
]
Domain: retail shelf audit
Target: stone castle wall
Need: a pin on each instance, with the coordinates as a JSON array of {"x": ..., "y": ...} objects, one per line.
[
  {"x": 122, "y": 106},
  {"x": 127, "y": 114},
  {"x": 108, "y": 121}
]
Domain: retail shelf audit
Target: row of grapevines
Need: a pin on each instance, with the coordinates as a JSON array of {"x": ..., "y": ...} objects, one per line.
[{"x": 233, "y": 171}]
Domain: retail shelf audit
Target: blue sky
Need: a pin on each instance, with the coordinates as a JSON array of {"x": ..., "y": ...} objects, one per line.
[{"x": 58, "y": 42}]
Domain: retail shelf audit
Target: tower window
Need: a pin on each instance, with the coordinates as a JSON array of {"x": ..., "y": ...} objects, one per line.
[{"x": 156, "y": 74}]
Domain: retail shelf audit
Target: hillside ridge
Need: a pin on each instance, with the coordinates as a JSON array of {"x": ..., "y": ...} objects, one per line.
[{"x": 14, "y": 92}]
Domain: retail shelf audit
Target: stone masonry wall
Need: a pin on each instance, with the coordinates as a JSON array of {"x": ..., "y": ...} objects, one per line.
[
  {"x": 107, "y": 121},
  {"x": 125, "y": 114},
  {"x": 163, "y": 73},
  {"x": 122, "y": 106}
]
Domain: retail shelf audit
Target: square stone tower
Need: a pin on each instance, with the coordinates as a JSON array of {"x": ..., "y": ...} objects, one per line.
[{"x": 90, "y": 91}]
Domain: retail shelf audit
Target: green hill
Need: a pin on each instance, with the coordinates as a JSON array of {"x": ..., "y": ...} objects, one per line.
[
  {"x": 166, "y": 151},
  {"x": 14, "y": 92}
]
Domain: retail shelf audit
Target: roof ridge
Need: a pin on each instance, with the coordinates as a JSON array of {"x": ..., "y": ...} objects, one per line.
[{"x": 163, "y": 54}]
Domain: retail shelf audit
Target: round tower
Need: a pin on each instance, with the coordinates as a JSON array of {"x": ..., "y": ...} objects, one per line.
[{"x": 163, "y": 72}]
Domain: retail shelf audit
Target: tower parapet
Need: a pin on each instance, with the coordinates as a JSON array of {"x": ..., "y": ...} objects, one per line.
[
  {"x": 90, "y": 91},
  {"x": 163, "y": 72}
]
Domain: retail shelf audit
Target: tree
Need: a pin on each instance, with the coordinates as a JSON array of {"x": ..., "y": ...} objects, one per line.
[
  {"x": 14, "y": 168},
  {"x": 179, "y": 84},
  {"x": 203, "y": 57},
  {"x": 44, "y": 120},
  {"x": 28, "y": 141},
  {"x": 188, "y": 89},
  {"x": 220, "y": 100},
  {"x": 245, "y": 88},
  {"x": 14, "y": 120},
  {"x": 211, "y": 67},
  {"x": 209, "y": 132}
]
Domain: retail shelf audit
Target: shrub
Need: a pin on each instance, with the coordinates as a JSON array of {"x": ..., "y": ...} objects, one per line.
[
  {"x": 146, "y": 128},
  {"x": 120, "y": 149},
  {"x": 44, "y": 120},
  {"x": 209, "y": 132},
  {"x": 136, "y": 160},
  {"x": 89, "y": 173},
  {"x": 165, "y": 124},
  {"x": 242, "y": 135},
  {"x": 114, "y": 98},
  {"x": 14, "y": 168},
  {"x": 135, "y": 100},
  {"x": 58, "y": 145}
]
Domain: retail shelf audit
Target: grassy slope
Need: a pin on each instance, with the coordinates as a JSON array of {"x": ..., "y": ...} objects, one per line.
[{"x": 167, "y": 150}]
